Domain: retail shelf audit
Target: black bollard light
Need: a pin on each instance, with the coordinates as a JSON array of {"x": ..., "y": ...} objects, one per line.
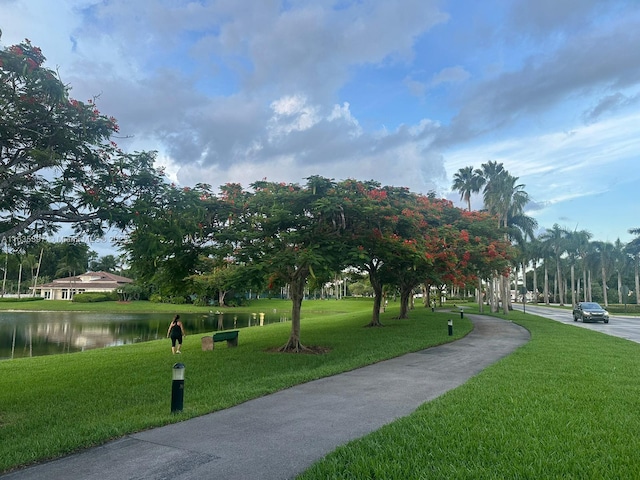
[
  {"x": 177, "y": 388},
  {"x": 450, "y": 325},
  {"x": 461, "y": 313}
]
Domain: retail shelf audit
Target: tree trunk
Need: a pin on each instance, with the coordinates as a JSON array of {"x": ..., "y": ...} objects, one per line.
[
  {"x": 637, "y": 274},
  {"x": 604, "y": 286},
  {"x": 493, "y": 294},
  {"x": 6, "y": 264},
  {"x": 620, "y": 288},
  {"x": 559, "y": 283},
  {"x": 585, "y": 288},
  {"x": 573, "y": 282},
  {"x": 506, "y": 294},
  {"x": 546, "y": 284},
  {"x": 376, "y": 284},
  {"x": 535, "y": 284},
  {"x": 221, "y": 296},
  {"x": 19, "y": 279},
  {"x": 35, "y": 280},
  {"x": 426, "y": 297},
  {"x": 405, "y": 298},
  {"x": 480, "y": 296},
  {"x": 297, "y": 294}
]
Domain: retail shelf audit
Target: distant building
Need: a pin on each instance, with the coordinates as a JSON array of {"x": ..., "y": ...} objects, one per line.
[{"x": 90, "y": 282}]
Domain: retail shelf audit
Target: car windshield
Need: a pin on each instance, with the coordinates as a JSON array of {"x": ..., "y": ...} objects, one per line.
[{"x": 591, "y": 305}]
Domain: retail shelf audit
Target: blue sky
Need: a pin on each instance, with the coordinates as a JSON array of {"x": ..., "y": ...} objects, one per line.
[{"x": 403, "y": 92}]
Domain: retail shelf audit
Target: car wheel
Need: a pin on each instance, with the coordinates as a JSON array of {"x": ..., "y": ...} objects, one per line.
[
  {"x": 575, "y": 318},
  {"x": 606, "y": 321}
]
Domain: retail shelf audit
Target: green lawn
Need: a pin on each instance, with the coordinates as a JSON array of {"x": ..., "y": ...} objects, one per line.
[
  {"x": 104, "y": 307},
  {"x": 564, "y": 406},
  {"x": 54, "y": 405}
]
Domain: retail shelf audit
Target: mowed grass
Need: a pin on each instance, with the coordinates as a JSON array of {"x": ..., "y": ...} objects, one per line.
[
  {"x": 55, "y": 405},
  {"x": 564, "y": 406}
]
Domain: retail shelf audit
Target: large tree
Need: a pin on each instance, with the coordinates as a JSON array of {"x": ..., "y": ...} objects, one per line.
[
  {"x": 633, "y": 249},
  {"x": 58, "y": 163},
  {"x": 380, "y": 235},
  {"x": 506, "y": 199},
  {"x": 169, "y": 231},
  {"x": 291, "y": 234},
  {"x": 556, "y": 240}
]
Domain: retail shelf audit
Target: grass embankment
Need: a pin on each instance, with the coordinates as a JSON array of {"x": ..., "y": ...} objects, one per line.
[
  {"x": 565, "y": 405},
  {"x": 54, "y": 405},
  {"x": 102, "y": 307}
]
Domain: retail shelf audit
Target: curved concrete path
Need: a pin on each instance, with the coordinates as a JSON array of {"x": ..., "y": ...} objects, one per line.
[{"x": 280, "y": 435}]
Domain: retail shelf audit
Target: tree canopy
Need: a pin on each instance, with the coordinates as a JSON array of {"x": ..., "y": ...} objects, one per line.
[{"x": 58, "y": 162}]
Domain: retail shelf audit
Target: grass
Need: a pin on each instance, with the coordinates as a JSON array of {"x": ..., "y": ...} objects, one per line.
[
  {"x": 55, "y": 405},
  {"x": 562, "y": 406},
  {"x": 103, "y": 307}
]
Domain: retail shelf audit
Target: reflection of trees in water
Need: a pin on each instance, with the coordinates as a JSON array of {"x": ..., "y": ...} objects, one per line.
[{"x": 48, "y": 333}]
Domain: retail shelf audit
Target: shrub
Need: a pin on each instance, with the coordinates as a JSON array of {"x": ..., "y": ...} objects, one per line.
[
  {"x": 95, "y": 297},
  {"x": 25, "y": 299},
  {"x": 155, "y": 298}
]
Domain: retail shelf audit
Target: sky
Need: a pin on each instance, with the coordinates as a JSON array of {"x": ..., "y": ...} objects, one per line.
[{"x": 403, "y": 92}]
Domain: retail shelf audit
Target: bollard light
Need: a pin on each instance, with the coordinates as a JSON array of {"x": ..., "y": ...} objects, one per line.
[
  {"x": 450, "y": 325},
  {"x": 461, "y": 313},
  {"x": 177, "y": 388}
]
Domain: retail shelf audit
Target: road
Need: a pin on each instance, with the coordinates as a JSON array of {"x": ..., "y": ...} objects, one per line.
[{"x": 619, "y": 325}]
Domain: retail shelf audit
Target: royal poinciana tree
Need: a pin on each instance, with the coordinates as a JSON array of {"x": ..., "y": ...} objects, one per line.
[
  {"x": 290, "y": 234},
  {"x": 168, "y": 232},
  {"x": 58, "y": 163},
  {"x": 377, "y": 233},
  {"x": 444, "y": 252}
]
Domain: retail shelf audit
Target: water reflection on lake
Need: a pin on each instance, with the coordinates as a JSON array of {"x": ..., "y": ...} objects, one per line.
[{"x": 30, "y": 334}]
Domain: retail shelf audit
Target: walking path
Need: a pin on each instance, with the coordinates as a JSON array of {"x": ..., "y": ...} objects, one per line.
[{"x": 280, "y": 435}]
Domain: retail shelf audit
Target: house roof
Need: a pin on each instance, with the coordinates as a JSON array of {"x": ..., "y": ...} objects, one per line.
[{"x": 99, "y": 280}]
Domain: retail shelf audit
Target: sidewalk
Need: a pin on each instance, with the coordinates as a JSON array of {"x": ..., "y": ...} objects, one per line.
[{"x": 280, "y": 435}]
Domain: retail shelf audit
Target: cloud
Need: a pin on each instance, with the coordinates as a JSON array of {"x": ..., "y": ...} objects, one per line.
[
  {"x": 610, "y": 104},
  {"x": 543, "y": 18},
  {"x": 592, "y": 61},
  {"x": 455, "y": 74}
]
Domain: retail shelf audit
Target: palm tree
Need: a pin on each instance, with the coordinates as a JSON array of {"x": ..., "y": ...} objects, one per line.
[
  {"x": 577, "y": 246},
  {"x": 467, "y": 181},
  {"x": 535, "y": 250},
  {"x": 521, "y": 231},
  {"x": 506, "y": 199},
  {"x": 556, "y": 241},
  {"x": 633, "y": 249},
  {"x": 488, "y": 171},
  {"x": 605, "y": 251},
  {"x": 620, "y": 264}
]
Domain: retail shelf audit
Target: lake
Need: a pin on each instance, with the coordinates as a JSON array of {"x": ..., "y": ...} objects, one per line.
[{"x": 31, "y": 334}]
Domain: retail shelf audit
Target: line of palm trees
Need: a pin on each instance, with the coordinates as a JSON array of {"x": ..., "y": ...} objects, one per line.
[{"x": 570, "y": 258}]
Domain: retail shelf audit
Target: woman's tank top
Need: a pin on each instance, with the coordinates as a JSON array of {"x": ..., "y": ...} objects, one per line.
[{"x": 175, "y": 331}]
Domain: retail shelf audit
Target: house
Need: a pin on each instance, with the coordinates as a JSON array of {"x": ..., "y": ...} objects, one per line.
[{"x": 66, "y": 288}]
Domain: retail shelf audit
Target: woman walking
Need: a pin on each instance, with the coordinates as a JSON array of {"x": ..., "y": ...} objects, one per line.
[{"x": 175, "y": 333}]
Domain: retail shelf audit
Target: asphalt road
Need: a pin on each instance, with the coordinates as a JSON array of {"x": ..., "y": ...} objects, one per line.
[{"x": 619, "y": 325}]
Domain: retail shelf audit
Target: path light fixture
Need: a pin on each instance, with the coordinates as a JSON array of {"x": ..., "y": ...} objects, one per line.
[
  {"x": 177, "y": 388},
  {"x": 450, "y": 325}
]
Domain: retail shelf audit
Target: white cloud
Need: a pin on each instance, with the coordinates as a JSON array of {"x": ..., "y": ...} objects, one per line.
[{"x": 455, "y": 74}]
